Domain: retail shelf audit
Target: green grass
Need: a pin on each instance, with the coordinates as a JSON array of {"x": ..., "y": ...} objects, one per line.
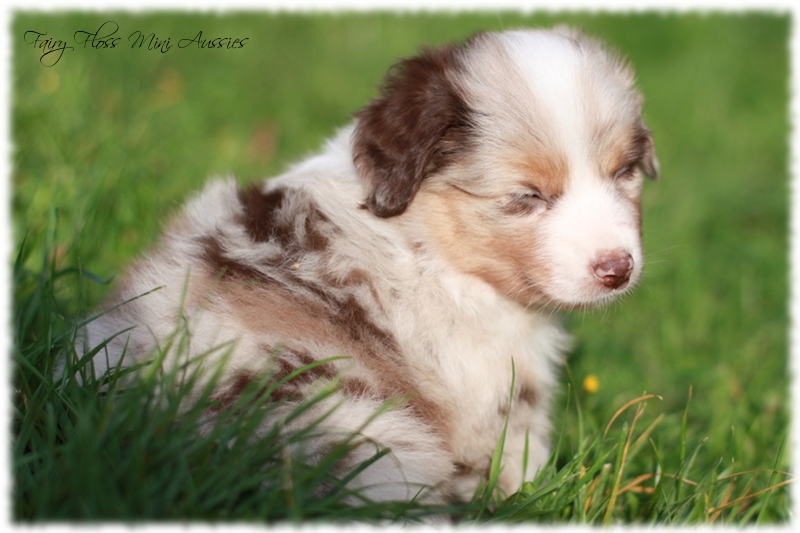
[{"x": 108, "y": 143}]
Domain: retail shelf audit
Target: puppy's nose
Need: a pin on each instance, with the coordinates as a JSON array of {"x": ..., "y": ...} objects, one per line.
[{"x": 614, "y": 269}]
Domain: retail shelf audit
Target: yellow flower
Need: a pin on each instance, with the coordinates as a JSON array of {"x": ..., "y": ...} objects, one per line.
[{"x": 591, "y": 384}]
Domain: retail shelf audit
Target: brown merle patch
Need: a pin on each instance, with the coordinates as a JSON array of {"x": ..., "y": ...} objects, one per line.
[
  {"x": 339, "y": 318},
  {"x": 228, "y": 397},
  {"x": 462, "y": 469},
  {"x": 352, "y": 318},
  {"x": 258, "y": 212},
  {"x": 357, "y": 388},
  {"x": 265, "y": 218},
  {"x": 213, "y": 254},
  {"x": 282, "y": 385},
  {"x": 355, "y": 319},
  {"x": 528, "y": 395},
  {"x": 315, "y": 240}
]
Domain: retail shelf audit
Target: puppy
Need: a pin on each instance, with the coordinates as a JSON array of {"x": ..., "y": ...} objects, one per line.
[{"x": 489, "y": 184}]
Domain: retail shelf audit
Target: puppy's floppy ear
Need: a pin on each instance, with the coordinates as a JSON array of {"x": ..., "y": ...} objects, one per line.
[
  {"x": 418, "y": 124},
  {"x": 649, "y": 162}
]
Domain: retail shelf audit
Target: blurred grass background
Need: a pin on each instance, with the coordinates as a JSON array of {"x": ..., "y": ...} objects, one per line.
[{"x": 116, "y": 139}]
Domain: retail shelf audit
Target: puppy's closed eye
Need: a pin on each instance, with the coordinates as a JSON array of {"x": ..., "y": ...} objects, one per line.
[
  {"x": 528, "y": 202},
  {"x": 624, "y": 172}
]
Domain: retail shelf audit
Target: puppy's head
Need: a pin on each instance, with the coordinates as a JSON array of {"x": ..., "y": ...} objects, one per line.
[{"x": 524, "y": 154}]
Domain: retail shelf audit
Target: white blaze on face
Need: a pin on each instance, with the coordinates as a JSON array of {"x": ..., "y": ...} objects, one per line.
[
  {"x": 554, "y": 75},
  {"x": 591, "y": 241}
]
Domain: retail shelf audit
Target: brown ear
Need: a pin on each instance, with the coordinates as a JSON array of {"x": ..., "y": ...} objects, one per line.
[
  {"x": 649, "y": 163},
  {"x": 418, "y": 125}
]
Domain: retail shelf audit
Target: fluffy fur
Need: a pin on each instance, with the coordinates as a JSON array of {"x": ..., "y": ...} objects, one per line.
[{"x": 430, "y": 241}]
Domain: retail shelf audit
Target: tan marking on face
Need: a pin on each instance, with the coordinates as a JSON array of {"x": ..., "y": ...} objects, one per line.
[
  {"x": 544, "y": 172},
  {"x": 478, "y": 240},
  {"x": 619, "y": 145},
  {"x": 624, "y": 147}
]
